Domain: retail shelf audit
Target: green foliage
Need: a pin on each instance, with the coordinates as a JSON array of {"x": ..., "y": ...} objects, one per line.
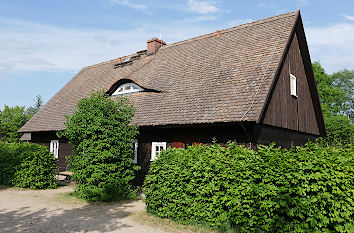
[
  {"x": 336, "y": 96},
  {"x": 339, "y": 130},
  {"x": 101, "y": 135},
  {"x": 330, "y": 95},
  {"x": 27, "y": 165},
  {"x": 12, "y": 119},
  {"x": 304, "y": 189},
  {"x": 344, "y": 80}
]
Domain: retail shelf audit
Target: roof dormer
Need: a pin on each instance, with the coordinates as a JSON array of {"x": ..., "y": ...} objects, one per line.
[{"x": 127, "y": 88}]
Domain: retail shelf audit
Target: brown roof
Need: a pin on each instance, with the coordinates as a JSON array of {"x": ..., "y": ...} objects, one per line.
[
  {"x": 26, "y": 137},
  {"x": 205, "y": 79}
]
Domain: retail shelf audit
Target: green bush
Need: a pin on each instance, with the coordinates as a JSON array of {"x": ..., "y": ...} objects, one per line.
[
  {"x": 340, "y": 130},
  {"x": 101, "y": 135},
  {"x": 303, "y": 189},
  {"x": 27, "y": 165},
  {"x": 10, "y": 159}
]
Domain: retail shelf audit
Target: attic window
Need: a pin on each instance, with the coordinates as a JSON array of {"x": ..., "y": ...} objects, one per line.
[
  {"x": 293, "y": 85},
  {"x": 127, "y": 88}
]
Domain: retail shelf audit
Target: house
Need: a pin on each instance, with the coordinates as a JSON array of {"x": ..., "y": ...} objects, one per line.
[{"x": 252, "y": 83}]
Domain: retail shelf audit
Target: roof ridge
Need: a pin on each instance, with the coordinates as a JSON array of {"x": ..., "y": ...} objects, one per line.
[
  {"x": 109, "y": 61},
  {"x": 100, "y": 63},
  {"x": 226, "y": 30}
]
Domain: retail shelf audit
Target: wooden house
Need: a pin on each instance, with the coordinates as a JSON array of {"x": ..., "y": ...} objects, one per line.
[{"x": 252, "y": 83}]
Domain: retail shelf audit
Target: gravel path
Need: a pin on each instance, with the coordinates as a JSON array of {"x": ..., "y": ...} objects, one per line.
[{"x": 23, "y": 210}]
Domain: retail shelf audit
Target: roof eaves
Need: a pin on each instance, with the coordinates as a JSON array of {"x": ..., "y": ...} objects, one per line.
[{"x": 23, "y": 128}]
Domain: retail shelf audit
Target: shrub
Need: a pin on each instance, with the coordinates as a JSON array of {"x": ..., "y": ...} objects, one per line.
[
  {"x": 10, "y": 159},
  {"x": 101, "y": 135},
  {"x": 303, "y": 189},
  {"x": 340, "y": 130},
  {"x": 27, "y": 165}
]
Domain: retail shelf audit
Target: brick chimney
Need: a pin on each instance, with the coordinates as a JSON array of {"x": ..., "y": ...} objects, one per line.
[{"x": 153, "y": 45}]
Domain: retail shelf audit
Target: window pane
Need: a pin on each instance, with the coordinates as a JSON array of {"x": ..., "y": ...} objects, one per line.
[
  {"x": 127, "y": 88},
  {"x": 157, "y": 148},
  {"x": 292, "y": 85}
]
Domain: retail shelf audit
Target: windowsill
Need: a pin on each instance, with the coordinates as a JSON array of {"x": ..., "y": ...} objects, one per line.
[{"x": 295, "y": 96}]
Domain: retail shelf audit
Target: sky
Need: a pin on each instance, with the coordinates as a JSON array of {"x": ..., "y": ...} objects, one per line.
[{"x": 44, "y": 43}]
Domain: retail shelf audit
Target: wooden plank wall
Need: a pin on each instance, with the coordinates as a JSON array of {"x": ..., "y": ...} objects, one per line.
[
  {"x": 65, "y": 149},
  {"x": 282, "y": 137},
  {"x": 188, "y": 135},
  {"x": 286, "y": 111}
]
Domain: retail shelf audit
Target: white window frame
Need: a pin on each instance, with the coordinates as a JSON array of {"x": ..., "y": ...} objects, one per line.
[
  {"x": 122, "y": 89},
  {"x": 54, "y": 148},
  {"x": 155, "y": 153},
  {"x": 293, "y": 88},
  {"x": 135, "y": 148}
]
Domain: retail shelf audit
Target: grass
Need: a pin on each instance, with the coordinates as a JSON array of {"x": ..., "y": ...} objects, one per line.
[
  {"x": 69, "y": 198},
  {"x": 167, "y": 224}
]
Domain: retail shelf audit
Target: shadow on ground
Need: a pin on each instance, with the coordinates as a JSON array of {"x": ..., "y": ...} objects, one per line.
[
  {"x": 3, "y": 187},
  {"x": 91, "y": 217}
]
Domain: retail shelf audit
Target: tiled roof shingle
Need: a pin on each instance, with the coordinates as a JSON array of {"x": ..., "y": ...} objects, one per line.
[{"x": 202, "y": 80}]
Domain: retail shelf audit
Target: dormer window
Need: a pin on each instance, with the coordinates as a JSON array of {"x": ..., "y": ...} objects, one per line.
[{"x": 127, "y": 88}]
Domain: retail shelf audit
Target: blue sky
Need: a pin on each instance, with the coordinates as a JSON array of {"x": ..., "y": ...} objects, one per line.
[{"x": 43, "y": 44}]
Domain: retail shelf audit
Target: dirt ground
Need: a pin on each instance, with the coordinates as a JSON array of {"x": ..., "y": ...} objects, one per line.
[{"x": 23, "y": 210}]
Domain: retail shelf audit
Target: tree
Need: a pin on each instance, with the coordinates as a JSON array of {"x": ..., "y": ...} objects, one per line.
[
  {"x": 339, "y": 130},
  {"x": 12, "y": 119},
  {"x": 336, "y": 95},
  {"x": 330, "y": 95},
  {"x": 344, "y": 80},
  {"x": 38, "y": 103},
  {"x": 101, "y": 133}
]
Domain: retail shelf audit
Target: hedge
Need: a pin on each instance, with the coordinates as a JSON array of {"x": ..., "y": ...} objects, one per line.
[
  {"x": 303, "y": 189},
  {"x": 27, "y": 165}
]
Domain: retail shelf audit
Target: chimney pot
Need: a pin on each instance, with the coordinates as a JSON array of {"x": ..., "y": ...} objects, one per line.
[
  {"x": 217, "y": 33},
  {"x": 153, "y": 45}
]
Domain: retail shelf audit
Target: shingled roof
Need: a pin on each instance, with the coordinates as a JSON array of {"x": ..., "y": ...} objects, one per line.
[{"x": 219, "y": 77}]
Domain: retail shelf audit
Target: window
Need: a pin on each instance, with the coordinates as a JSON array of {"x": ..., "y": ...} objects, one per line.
[
  {"x": 135, "y": 149},
  {"x": 127, "y": 88},
  {"x": 54, "y": 148},
  {"x": 156, "y": 149},
  {"x": 293, "y": 85}
]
